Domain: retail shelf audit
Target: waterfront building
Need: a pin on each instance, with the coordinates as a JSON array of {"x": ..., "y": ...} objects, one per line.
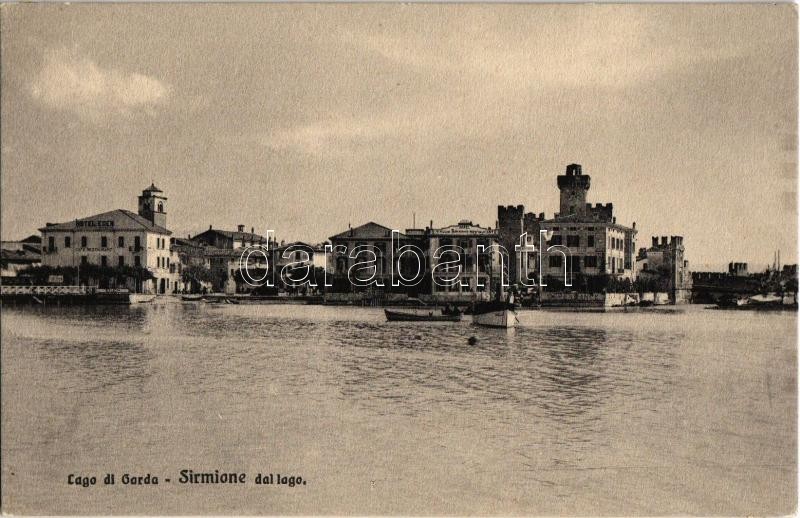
[
  {"x": 474, "y": 281},
  {"x": 117, "y": 238},
  {"x": 372, "y": 236},
  {"x": 662, "y": 267},
  {"x": 230, "y": 239},
  {"x": 20, "y": 255},
  {"x": 301, "y": 253},
  {"x": 478, "y": 269},
  {"x": 598, "y": 245}
]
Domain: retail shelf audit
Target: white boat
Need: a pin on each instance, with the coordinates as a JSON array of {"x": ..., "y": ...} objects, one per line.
[
  {"x": 137, "y": 298},
  {"x": 504, "y": 318},
  {"x": 495, "y": 314}
]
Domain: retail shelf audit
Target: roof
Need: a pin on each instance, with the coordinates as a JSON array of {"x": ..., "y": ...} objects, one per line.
[
  {"x": 464, "y": 227},
  {"x": 369, "y": 230},
  {"x": 114, "y": 220},
  {"x": 33, "y": 238},
  {"x": 152, "y": 188},
  {"x": 236, "y": 236},
  {"x": 20, "y": 256}
]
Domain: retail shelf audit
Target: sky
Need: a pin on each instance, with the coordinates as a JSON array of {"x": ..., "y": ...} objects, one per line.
[{"x": 306, "y": 118}]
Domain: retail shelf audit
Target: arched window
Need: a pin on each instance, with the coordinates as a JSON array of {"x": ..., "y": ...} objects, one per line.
[{"x": 160, "y": 207}]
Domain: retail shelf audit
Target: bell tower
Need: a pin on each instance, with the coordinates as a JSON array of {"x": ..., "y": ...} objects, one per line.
[
  {"x": 152, "y": 204},
  {"x": 573, "y": 186}
]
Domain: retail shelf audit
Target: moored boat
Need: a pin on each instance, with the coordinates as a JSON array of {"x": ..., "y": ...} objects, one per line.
[
  {"x": 421, "y": 315},
  {"x": 495, "y": 314},
  {"x": 192, "y": 298}
]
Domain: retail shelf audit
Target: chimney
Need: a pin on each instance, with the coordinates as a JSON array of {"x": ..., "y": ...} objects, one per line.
[
  {"x": 252, "y": 230},
  {"x": 209, "y": 227},
  {"x": 655, "y": 241},
  {"x": 240, "y": 228},
  {"x": 664, "y": 241}
]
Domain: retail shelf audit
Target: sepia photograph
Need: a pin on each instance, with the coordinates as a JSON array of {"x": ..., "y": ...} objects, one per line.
[{"x": 384, "y": 259}]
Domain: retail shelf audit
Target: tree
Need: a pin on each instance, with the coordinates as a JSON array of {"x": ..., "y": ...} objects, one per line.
[{"x": 196, "y": 275}]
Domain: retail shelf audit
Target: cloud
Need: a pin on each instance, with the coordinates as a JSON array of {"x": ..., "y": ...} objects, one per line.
[
  {"x": 75, "y": 83},
  {"x": 336, "y": 135},
  {"x": 614, "y": 48}
]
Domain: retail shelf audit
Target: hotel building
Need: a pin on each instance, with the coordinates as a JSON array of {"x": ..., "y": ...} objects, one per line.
[{"x": 116, "y": 238}]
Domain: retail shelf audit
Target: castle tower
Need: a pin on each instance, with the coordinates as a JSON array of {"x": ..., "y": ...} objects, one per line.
[
  {"x": 573, "y": 186},
  {"x": 152, "y": 203}
]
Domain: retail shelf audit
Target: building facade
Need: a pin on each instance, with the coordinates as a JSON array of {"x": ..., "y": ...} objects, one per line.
[
  {"x": 118, "y": 238},
  {"x": 582, "y": 239},
  {"x": 664, "y": 263},
  {"x": 219, "y": 253},
  {"x": 480, "y": 262},
  {"x": 436, "y": 271}
]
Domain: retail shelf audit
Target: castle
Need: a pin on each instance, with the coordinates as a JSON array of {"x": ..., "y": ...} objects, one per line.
[{"x": 581, "y": 238}]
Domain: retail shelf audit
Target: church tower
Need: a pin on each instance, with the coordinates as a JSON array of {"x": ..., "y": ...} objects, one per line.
[
  {"x": 152, "y": 203},
  {"x": 573, "y": 187}
]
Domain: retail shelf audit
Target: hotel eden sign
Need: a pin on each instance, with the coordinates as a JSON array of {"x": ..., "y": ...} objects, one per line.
[{"x": 94, "y": 223}]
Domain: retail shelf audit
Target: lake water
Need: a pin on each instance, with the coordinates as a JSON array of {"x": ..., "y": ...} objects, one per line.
[{"x": 571, "y": 413}]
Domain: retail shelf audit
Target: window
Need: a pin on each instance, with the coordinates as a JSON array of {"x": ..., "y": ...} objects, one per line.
[
  {"x": 556, "y": 240},
  {"x": 590, "y": 241},
  {"x": 121, "y": 260},
  {"x": 83, "y": 242},
  {"x": 51, "y": 243},
  {"x": 67, "y": 241},
  {"x": 103, "y": 260},
  {"x": 573, "y": 263},
  {"x": 137, "y": 261},
  {"x": 121, "y": 241},
  {"x": 103, "y": 242},
  {"x": 84, "y": 259},
  {"x": 555, "y": 261},
  {"x": 590, "y": 261},
  {"x": 137, "y": 244},
  {"x": 160, "y": 207},
  {"x": 573, "y": 241}
]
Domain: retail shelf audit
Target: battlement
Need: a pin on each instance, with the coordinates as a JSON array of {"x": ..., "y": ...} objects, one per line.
[
  {"x": 667, "y": 242},
  {"x": 737, "y": 269},
  {"x": 532, "y": 216},
  {"x": 574, "y": 181},
  {"x": 510, "y": 212}
]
